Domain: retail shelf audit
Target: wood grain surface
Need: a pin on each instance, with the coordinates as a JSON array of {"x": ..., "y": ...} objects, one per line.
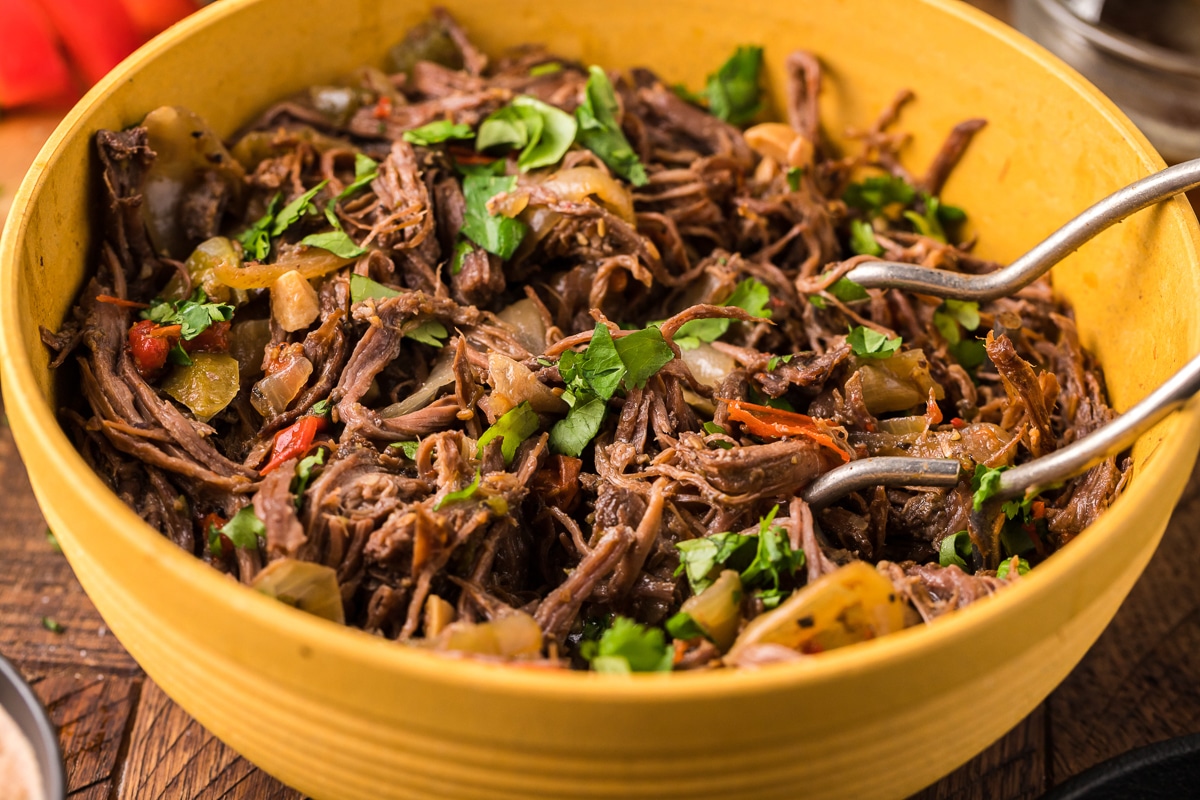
[{"x": 124, "y": 739}]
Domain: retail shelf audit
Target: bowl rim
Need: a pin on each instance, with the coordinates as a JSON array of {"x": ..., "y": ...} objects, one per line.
[{"x": 25, "y": 403}]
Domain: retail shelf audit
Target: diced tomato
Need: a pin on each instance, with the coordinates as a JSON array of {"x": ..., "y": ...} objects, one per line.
[
  {"x": 148, "y": 349},
  {"x": 557, "y": 483},
  {"x": 958, "y": 422},
  {"x": 775, "y": 423},
  {"x": 293, "y": 441},
  {"x": 32, "y": 69},
  {"x": 383, "y": 109},
  {"x": 97, "y": 33},
  {"x": 151, "y": 16},
  {"x": 213, "y": 339}
]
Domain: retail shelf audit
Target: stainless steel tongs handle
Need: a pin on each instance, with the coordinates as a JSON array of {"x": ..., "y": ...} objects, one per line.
[
  {"x": 1074, "y": 459},
  {"x": 1029, "y": 267}
]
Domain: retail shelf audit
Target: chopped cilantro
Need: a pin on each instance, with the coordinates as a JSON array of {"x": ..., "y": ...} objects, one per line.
[
  {"x": 955, "y": 550},
  {"x": 365, "y": 171},
  {"x": 256, "y": 240},
  {"x": 751, "y": 295},
  {"x": 430, "y": 332},
  {"x": 699, "y": 558},
  {"x": 600, "y": 132},
  {"x": 712, "y": 427},
  {"x": 878, "y": 192},
  {"x": 304, "y": 472},
  {"x": 320, "y": 408},
  {"x": 862, "y": 239},
  {"x": 985, "y": 483},
  {"x": 629, "y": 647},
  {"x": 439, "y": 131},
  {"x": 337, "y": 242},
  {"x": 52, "y": 540},
  {"x": 848, "y": 291},
  {"x": 818, "y": 301},
  {"x": 461, "y": 250},
  {"x": 462, "y": 494},
  {"x": 495, "y": 233},
  {"x": 948, "y": 318},
  {"x": 51, "y": 625},
  {"x": 178, "y": 356},
  {"x": 593, "y": 377},
  {"x": 794, "y": 174},
  {"x": 733, "y": 92},
  {"x": 294, "y": 210},
  {"x": 542, "y": 132},
  {"x": 1006, "y": 567},
  {"x": 867, "y": 343},
  {"x": 408, "y": 448},
  {"x": 363, "y": 288},
  {"x": 763, "y": 558},
  {"x": 513, "y": 427},
  {"x": 682, "y": 626},
  {"x": 773, "y": 557},
  {"x": 243, "y": 531},
  {"x": 193, "y": 316},
  {"x": 548, "y": 68},
  {"x": 930, "y": 223}
]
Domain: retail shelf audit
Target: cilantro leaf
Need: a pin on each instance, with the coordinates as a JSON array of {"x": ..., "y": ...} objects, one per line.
[
  {"x": 571, "y": 435},
  {"x": 294, "y": 210},
  {"x": 495, "y": 233},
  {"x": 337, "y": 242},
  {"x": 682, "y": 626},
  {"x": 542, "y": 132},
  {"x": 733, "y": 92},
  {"x": 438, "y": 131},
  {"x": 461, "y": 494},
  {"x": 643, "y": 353},
  {"x": 243, "y": 531},
  {"x": 513, "y": 427},
  {"x": 862, "y": 239},
  {"x": 430, "y": 332},
  {"x": 256, "y": 240},
  {"x": 751, "y": 295},
  {"x": 848, "y": 291},
  {"x": 867, "y": 343},
  {"x": 985, "y": 483},
  {"x": 1006, "y": 567},
  {"x": 964, "y": 312},
  {"x": 304, "y": 472},
  {"x": 178, "y": 356},
  {"x": 363, "y": 288},
  {"x": 193, "y": 315},
  {"x": 51, "y": 625},
  {"x": 794, "y": 174},
  {"x": 955, "y": 550},
  {"x": 878, "y": 192},
  {"x": 600, "y": 132},
  {"x": 365, "y": 171},
  {"x": 548, "y": 68},
  {"x": 600, "y": 365},
  {"x": 698, "y": 558},
  {"x": 774, "y": 555},
  {"x": 630, "y": 647},
  {"x": 320, "y": 408},
  {"x": 408, "y": 448},
  {"x": 461, "y": 250}
]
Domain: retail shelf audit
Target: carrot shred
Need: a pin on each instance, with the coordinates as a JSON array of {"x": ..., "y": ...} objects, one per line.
[
  {"x": 120, "y": 301},
  {"x": 775, "y": 423}
]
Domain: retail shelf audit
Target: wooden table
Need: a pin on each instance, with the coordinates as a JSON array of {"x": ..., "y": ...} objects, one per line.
[{"x": 123, "y": 739}]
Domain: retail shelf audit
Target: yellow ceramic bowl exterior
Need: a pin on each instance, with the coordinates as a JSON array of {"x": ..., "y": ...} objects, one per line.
[{"x": 340, "y": 714}]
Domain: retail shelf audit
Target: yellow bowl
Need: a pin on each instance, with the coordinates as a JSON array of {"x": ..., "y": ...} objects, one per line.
[{"x": 340, "y": 714}]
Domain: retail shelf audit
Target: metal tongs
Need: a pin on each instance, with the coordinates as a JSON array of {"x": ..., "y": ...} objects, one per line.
[{"x": 1068, "y": 462}]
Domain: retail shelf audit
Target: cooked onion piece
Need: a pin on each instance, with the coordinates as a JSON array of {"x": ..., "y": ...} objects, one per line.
[{"x": 304, "y": 585}]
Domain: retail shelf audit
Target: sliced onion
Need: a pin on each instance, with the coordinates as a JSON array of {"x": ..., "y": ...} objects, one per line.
[
  {"x": 573, "y": 185},
  {"x": 310, "y": 262},
  {"x": 514, "y": 635},
  {"x": 206, "y": 386},
  {"x": 898, "y": 383},
  {"x": 530, "y": 328},
  {"x": 294, "y": 303},
  {"x": 441, "y": 376},
  {"x": 709, "y": 365},
  {"x": 273, "y": 394},
  {"x": 304, "y": 585},
  {"x": 201, "y": 268},
  {"x": 513, "y": 383},
  {"x": 717, "y": 608},
  {"x": 780, "y": 142}
]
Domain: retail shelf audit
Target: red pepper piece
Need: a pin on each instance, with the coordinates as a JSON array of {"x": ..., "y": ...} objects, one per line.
[
  {"x": 149, "y": 348},
  {"x": 775, "y": 423},
  {"x": 213, "y": 339},
  {"x": 293, "y": 441}
]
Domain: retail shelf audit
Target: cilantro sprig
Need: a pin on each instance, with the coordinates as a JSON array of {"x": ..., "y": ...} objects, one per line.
[
  {"x": 954, "y": 317},
  {"x": 956, "y": 550},
  {"x": 627, "y": 646},
  {"x": 430, "y": 332},
  {"x": 751, "y": 295},
  {"x": 764, "y": 559},
  {"x": 867, "y": 343},
  {"x": 600, "y": 132},
  {"x": 595, "y": 375},
  {"x": 733, "y": 91},
  {"x": 513, "y": 427},
  {"x": 193, "y": 315},
  {"x": 243, "y": 530},
  {"x": 495, "y": 233},
  {"x": 540, "y": 131}
]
